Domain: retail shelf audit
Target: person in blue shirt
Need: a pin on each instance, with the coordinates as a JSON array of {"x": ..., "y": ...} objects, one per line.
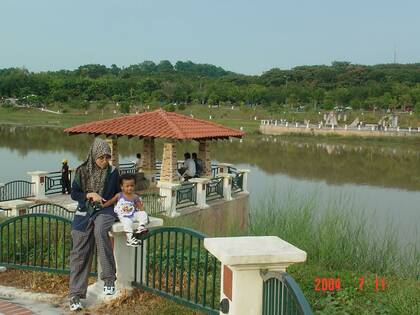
[{"x": 95, "y": 182}]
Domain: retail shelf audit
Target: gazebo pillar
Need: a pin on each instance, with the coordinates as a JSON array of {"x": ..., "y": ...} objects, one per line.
[
  {"x": 168, "y": 182},
  {"x": 113, "y": 144},
  {"x": 204, "y": 155},
  {"x": 148, "y": 160},
  {"x": 169, "y": 163}
]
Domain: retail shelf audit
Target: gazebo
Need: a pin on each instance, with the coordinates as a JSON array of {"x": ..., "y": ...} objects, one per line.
[{"x": 170, "y": 126}]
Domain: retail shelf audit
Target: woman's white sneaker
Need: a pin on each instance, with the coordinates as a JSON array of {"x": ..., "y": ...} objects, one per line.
[{"x": 109, "y": 288}]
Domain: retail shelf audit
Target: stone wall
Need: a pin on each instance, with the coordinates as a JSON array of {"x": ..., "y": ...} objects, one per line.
[{"x": 222, "y": 218}]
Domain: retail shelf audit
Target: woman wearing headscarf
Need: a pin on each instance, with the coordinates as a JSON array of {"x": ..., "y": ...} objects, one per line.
[{"x": 95, "y": 181}]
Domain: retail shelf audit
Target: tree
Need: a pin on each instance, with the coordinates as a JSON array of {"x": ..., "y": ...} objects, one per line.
[
  {"x": 125, "y": 107},
  {"x": 165, "y": 67}
]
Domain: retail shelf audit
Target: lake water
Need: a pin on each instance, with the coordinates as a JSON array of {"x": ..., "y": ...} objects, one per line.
[{"x": 380, "y": 179}]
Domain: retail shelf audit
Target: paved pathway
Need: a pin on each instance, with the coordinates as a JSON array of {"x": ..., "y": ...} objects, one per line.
[
  {"x": 14, "y": 301},
  {"x": 9, "y": 308}
]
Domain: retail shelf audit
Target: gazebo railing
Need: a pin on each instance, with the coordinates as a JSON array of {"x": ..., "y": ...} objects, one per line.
[
  {"x": 127, "y": 168},
  {"x": 237, "y": 183},
  {"x": 186, "y": 196},
  {"x": 214, "y": 189}
]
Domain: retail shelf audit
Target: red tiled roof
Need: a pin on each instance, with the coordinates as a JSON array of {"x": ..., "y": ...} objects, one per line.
[{"x": 158, "y": 124}]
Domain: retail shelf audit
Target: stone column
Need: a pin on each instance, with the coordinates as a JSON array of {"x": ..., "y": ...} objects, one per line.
[
  {"x": 38, "y": 177},
  {"x": 227, "y": 185},
  {"x": 168, "y": 173},
  {"x": 124, "y": 261},
  {"x": 113, "y": 144},
  {"x": 148, "y": 159},
  {"x": 201, "y": 191},
  {"x": 243, "y": 259},
  {"x": 204, "y": 155}
]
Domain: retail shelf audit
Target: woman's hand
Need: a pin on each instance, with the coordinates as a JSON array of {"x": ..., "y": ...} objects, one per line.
[{"x": 95, "y": 197}]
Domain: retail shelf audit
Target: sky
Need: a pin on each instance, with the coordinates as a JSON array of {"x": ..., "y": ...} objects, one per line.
[{"x": 243, "y": 36}]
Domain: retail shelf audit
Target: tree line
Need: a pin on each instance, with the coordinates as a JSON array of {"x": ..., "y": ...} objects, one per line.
[{"x": 340, "y": 84}]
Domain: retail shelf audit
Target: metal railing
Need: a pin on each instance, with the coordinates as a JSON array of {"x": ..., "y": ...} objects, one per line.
[
  {"x": 51, "y": 208},
  {"x": 214, "y": 189},
  {"x": 186, "y": 196},
  {"x": 158, "y": 167},
  {"x": 53, "y": 182},
  {"x": 36, "y": 241},
  {"x": 172, "y": 262},
  {"x": 367, "y": 127},
  {"x": 153, "y": 202},
  {"x": 127, "y": 168},
  {"x": 237, "y": 182},
  {"x": 16, "y": 189},
  {"x": 214, "y": 171},
  {"x": 282, "y": 295}
]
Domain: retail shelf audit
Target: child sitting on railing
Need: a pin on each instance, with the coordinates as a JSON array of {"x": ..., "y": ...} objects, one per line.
[{"x": 129, "y": 208}]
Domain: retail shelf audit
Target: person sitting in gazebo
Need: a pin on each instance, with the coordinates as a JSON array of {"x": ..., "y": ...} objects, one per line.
[
  {"x": 199, "y": 169},
  {"x": 187, "y": 170}
]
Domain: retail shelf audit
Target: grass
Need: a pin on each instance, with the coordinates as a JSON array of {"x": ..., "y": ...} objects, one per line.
[
  {"x": 237, "y": 117},
  {"x": 341, "y": 243}
]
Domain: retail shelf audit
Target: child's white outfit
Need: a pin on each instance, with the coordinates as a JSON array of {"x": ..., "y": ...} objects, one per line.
[{"x": 127, "y": 214}]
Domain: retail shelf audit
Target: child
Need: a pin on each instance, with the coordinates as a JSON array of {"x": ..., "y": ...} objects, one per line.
[{"x": 129, "y": 207}]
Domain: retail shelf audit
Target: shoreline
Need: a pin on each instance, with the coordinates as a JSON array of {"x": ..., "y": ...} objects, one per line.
[{"x": 282, "y": 130}]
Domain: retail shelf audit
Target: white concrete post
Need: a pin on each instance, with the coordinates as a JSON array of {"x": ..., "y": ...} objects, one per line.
[
  {"x": 168, "y": 190},
  {"x": 345, "y": 127},
  {"x": 227, "y": 185},
  {"x": 38, "y": 177},
  {"x": 287, "y": 124},
  {"x": 201, "y": 191},
  {"x": 297, "y": 125},
  {"x": 398, "y": 128},
  {"x": 243, "y": 259},
  {"x": 124, "y": 261},
  {"x": 359, "y": 127},
  {"x": 244, "y": 180},
  {"x": 409, "y": 129},
  {"x": 385, "y": 128}
]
